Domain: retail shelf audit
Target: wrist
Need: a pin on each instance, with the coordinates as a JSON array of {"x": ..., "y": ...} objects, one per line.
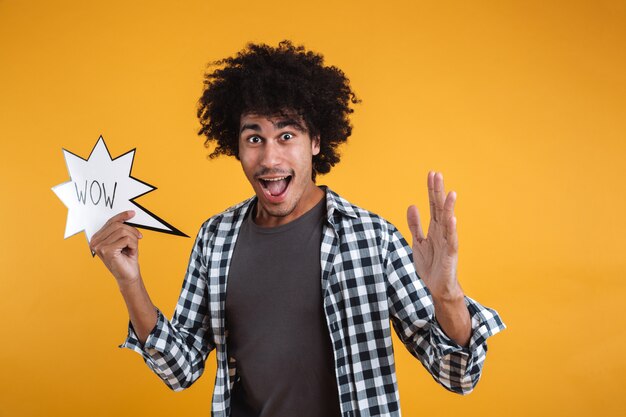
[
  {"x": 452, "y": 296},
  {"x": 130, "y": 285}
]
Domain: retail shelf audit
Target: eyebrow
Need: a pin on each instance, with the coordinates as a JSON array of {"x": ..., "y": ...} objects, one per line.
[{"x": 279, "y": 125}]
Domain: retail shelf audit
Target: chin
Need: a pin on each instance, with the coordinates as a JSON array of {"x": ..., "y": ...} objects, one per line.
[{"x": 284, "y": 209}]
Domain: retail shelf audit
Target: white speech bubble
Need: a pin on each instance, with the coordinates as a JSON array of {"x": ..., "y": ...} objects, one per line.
[{"x": 101, "y": 187}]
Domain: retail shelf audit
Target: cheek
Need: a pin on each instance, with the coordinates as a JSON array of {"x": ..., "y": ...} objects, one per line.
[
  {"x": 247, "y": 164},
  {"x": 305, "y": 162}
]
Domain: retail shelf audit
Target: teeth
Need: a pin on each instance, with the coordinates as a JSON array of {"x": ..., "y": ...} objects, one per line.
[{"x": 274, "y": 179}]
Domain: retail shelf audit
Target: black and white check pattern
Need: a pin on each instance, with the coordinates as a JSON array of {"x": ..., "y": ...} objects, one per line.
[{"x": 369, "y": 283}]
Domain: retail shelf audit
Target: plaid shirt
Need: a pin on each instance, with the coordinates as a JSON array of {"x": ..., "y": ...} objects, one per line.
[{"x": 369, "y": 282}]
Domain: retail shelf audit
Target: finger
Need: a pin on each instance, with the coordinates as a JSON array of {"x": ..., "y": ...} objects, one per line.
[
  {"x": 115, "y": 232},
  {"x": 131, "y": 247},
  {"x": 126, "y": 244},
  {"x": 439, "y": 196},
  {"x": 109, "y": 242},
  {"x": 413, "y": 218},
  {"x": 448, "y": 206},
  {"x": 431, "y": 195},
  {"x": 452, "y": 236},
  {"x": 103, "y": 234},
  {"x": 120, "y": 217}
]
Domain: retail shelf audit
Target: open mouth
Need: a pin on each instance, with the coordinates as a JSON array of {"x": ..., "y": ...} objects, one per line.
[{"x": 275, "y": 187}]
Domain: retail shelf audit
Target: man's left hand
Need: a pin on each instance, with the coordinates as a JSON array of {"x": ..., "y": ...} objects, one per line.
[{"x": 436, "y": 255}]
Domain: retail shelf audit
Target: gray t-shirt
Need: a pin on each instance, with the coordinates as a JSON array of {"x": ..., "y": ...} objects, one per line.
[{"x": 277, "y": 329}]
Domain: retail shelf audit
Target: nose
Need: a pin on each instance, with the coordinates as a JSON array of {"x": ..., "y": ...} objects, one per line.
[{"x": 271, "y": 155}]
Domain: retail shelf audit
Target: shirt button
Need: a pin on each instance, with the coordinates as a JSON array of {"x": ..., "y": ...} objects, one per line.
[{"x": 333, "y": 326}]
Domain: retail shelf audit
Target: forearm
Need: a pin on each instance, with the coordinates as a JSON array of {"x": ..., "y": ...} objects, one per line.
[
  {"x": 141, "y": 311},
  {"x": 175, "y": 351},
  {"x": 454, "y": 318}
]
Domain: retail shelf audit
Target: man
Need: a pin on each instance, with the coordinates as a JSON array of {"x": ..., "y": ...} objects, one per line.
[{"x": 314, "y": 282}]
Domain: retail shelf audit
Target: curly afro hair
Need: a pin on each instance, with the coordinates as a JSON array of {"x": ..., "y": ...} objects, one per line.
[{"x": 272, "y": 81}]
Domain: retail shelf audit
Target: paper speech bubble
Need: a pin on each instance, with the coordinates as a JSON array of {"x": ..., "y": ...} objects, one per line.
[{"x": 101, "y": 187}]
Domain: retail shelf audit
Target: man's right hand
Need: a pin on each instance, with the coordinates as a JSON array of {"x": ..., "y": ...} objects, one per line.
[{"x": 116, "y": 244}]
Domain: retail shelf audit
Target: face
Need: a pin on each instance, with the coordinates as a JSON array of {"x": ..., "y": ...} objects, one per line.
[{"x": 276, "y": 154}]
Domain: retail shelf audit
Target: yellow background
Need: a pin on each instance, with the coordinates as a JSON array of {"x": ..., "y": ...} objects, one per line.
[{"x": 520, "y": 104}]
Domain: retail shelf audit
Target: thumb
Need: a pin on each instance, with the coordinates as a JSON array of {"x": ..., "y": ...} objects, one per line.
[{"x": 413, "y": 218}]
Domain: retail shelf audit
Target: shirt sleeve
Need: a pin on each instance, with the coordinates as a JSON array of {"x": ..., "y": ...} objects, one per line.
[
  {"x": 176, "y": 350},
  {"x": 455, "y": 367}
]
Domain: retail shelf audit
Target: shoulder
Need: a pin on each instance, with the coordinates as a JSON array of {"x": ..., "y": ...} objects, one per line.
[
  {"x": 353, "y": 216},
  {"x": 362, "y": 234},
  {"x": 224, "y": 221},
  {"x": 356, "y": 224}
]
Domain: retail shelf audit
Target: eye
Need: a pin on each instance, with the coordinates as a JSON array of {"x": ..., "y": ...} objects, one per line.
[
  {"x": 287, "y": 136},
  {"x": 254, "y": 139}
]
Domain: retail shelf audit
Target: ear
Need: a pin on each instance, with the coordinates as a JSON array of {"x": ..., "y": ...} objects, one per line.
[{"x": 315, "y": 145}]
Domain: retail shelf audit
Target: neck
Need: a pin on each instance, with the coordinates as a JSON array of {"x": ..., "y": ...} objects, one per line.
[{"x": 311, "y": 196}]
